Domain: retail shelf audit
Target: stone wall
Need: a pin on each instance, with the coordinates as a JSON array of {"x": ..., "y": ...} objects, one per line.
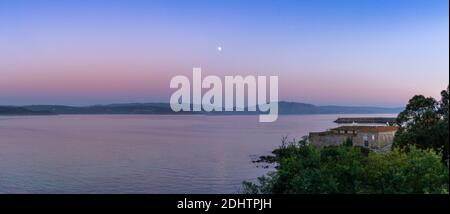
[
  {"x": 371, "y": 140},
  {"x": 322, "y": 139},
  {"x": 374, "y": 140}
]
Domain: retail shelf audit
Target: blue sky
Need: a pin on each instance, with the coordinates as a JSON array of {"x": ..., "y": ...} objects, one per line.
[{"x": 359, "y": 52}]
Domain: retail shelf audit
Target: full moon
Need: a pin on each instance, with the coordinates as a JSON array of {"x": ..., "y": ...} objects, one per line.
[{"x": 219, "y": 48}]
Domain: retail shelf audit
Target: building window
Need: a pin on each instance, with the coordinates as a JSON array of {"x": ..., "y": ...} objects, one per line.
[{"x": 366, "y": 140}]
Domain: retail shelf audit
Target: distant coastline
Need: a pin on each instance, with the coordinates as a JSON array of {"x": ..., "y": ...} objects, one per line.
[{"x": 285, "y": 108}]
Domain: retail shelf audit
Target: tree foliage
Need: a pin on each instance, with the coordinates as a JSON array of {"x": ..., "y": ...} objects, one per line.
[
  {"x": 305, "y": 169},
  {"x": 424, "y": 123}
]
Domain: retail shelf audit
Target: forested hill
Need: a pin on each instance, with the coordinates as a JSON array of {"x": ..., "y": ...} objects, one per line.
[{"x": 164, "y": 108}]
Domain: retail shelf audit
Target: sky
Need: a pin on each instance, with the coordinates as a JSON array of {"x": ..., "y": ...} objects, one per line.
[{"x": 345, "y": 52}]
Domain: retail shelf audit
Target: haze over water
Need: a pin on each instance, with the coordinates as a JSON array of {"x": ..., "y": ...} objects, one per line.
[{"x": 140, "y": 153}]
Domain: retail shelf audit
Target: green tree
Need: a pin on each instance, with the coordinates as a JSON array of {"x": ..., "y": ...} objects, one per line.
[
  {"x": 424, "y": 123},
  {"x": 443, "y": 104},
  {"x": 443, "y": 125},
  {"x": 415, "y": 171},
  {"x": 305, "y": 169}
]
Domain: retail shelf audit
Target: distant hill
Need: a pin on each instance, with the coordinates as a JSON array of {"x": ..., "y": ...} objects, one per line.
[
  {"x": 285, "y": 108},
  {"x": 131, "y": 108},
  {"x": 302, "y": 108},
  {"x": 13, "y": 110},
  {"x": 357, "y": 110}
]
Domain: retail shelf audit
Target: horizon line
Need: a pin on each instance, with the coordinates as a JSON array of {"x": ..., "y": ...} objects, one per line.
[{"x": 160, "y": 102}]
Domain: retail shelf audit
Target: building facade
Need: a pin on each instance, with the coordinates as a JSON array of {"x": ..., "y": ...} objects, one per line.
[{"x": 371, "y": 137}]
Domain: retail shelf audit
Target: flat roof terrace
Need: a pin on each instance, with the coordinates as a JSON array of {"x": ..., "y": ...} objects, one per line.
[{"x": 379, "y": 120}]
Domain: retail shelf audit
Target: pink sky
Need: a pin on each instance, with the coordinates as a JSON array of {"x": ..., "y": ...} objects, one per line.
[{"x": 85, "y": 53}]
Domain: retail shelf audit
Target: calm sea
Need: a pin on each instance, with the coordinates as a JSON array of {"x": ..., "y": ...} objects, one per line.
[{"x": 141, "y": 154}]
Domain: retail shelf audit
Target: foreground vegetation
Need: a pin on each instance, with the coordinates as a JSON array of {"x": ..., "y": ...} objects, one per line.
[
  {"x": 424, "y": 123},
  {"x": 303, "y": 168},
  {"x": 418, "y": 162}
]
